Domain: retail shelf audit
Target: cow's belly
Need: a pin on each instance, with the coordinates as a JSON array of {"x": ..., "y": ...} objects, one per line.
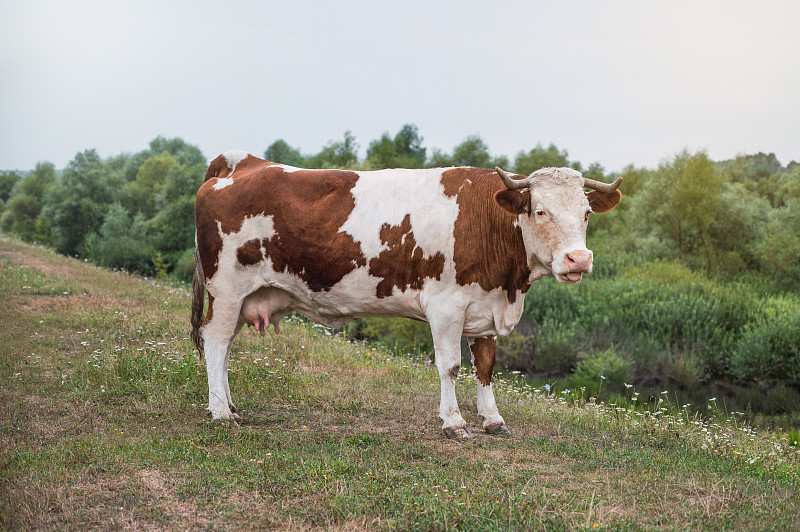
[
  {"x": 353, "y": 297},
  {"x": 485, "y": 313}
]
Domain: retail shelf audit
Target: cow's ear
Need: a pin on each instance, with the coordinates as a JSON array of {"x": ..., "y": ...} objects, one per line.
[
  {"x": 514, "y": 201},
  {"x": 601, "y": 202}
]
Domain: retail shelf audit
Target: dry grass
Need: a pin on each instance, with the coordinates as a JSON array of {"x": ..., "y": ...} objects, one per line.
[{"x": 104, "y": 428}]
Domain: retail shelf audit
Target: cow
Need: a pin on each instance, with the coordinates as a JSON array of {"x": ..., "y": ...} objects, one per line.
[{"x": 455, "y": 247}]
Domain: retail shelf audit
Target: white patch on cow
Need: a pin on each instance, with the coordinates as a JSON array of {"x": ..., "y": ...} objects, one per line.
[
  {"x": 222, "y": 183},
  {"x": 387, "y": 196},
  {"x": 289, "y": 169},
  {"x": 227, "y": 278},
  {"x": 234, "y": 157}
]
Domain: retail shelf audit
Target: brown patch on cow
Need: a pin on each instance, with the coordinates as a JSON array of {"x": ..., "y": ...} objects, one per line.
[
  {"x": 514, "y": 202},
  {"x": 250, "y": 253},
  {"x": 483, "y": 354},
  {"x": 217, "y": 168},
  {"x": 403, "y": 264},
  {"x": 488, "y": 248},
  {"x": 453, "y": 372},
  {"x": 307, "y": 208},
  {"x": 602, "y": 202},
  {"x": 220, "y": 169}
]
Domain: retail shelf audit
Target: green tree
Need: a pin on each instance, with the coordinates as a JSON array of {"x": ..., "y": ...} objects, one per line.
[
  {"x": 7, "y": 182},
  {"x": 382, "y": 153},
  {"x": 472, "y": 151},
  {"x": 408, "y": 146},
  {"x": 185, "y": 154},
  {"x": 120, "y": 242},
  {"x": 440, "y": 159},
  {"x": 23, "y": 209},
  {"x": 171, "y": 231},
  {"x": 140, "y": 194},
  {"x": 180, "y": 181},
  {"x": 336, "y": 154},
  {"x": 779, "y": 250},
  {"x": 280, "y": 152},
  {"x": 76, "y": 204},
  {"x": 737, "y": 235},
  {"x": 595, "y": 171},
  {"x": 680, "y": 202},
  {"x": 540, "y": 157},
  {"x": 779, "y": 188}
]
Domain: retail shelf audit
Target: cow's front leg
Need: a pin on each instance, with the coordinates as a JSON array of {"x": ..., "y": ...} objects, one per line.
[
  {"x": 446, "y": 332},
  {"x": 483, "y": 358}
]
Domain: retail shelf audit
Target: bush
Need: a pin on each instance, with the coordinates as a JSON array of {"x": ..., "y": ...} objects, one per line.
[
  {"x": 184, "y": 266},
  {"x": 769, "y": 348},
  {"x": 665, "y": 318},
  {"x": 604, "y": 369},
  {"x": 402, "y": 334}
]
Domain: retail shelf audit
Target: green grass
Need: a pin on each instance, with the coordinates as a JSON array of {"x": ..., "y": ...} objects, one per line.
[{"x": 103, "y": 426}]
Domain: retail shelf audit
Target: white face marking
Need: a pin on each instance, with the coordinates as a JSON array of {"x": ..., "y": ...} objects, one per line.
[{"x": 557, "y": 223}]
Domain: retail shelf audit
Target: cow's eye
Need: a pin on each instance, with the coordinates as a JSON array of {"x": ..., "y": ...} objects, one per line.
[
  {"x": 586, "y": 217},
  {"x": 540, "y": 213}
]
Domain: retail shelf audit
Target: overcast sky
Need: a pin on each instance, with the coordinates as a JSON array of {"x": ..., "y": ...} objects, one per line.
[{"x": 614, "y": 82}]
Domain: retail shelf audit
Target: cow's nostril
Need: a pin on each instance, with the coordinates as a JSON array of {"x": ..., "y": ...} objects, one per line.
[{"x": 578, "y": 260}]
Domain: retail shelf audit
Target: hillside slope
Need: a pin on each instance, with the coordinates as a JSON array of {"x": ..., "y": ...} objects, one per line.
[{"x": 103, "y": 427}]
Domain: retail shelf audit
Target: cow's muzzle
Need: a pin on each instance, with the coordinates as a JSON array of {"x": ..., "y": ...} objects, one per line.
[{"x": 577, "y": 262}]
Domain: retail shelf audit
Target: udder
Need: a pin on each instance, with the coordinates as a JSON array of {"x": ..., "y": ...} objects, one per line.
[{"x": 265, "y": 307}]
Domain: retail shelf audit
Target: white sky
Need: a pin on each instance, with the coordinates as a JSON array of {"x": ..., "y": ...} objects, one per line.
[{"x": 615, "y": 82}]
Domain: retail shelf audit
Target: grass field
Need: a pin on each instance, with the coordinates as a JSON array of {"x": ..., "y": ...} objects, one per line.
[{"x": 103, "y": 426}]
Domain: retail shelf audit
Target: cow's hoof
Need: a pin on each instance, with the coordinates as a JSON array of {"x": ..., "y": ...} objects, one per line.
[
  {"x": 224, "y": 419},
  {"x": 458, "y": 433},
  {"x": 496, "y": 428},
  {"x": 224, "y": 422}
]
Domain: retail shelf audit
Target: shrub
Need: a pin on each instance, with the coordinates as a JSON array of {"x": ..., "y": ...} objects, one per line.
[
  {"x": 402, "y": 334},
  {"x": 665, "y": 318},
  {"x": 769, "y": 348},
  {"x": 602, "y": 369},
  {"x": 515, "y": 352},
  {"x": 184, "y": 266}
]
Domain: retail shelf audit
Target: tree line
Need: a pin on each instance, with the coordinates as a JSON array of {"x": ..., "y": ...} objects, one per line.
[{"x": 719, "y": 232}]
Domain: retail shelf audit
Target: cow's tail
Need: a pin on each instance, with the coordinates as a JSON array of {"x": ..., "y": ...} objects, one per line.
[{"x": 198, "y": 302}]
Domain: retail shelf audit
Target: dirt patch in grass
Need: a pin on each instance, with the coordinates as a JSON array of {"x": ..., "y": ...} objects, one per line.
[
  {"x": 44, "y": 304},
  {"x": 61, "y": 267},
  {"x": 163, "y": 497}
]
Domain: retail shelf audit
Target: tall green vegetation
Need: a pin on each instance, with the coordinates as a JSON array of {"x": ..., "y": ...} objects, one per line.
[{"x": 696, "y": 277}]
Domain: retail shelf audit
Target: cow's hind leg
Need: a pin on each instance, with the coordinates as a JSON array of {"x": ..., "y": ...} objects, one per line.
[
  {"x": 218, "y": 334},
  {"x": 446, "y": 332},
  {"x": 232, "y": 406},
  {"x": 483, "y": 358}
]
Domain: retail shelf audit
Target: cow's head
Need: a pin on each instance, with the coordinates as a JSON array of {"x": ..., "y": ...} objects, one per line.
[{"x": 553, "y": 211}]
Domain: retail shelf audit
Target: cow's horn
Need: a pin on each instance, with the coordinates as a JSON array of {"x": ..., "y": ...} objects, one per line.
[
  {"x": 512, "y": 184},
  {"x": 601, "y": 187}
]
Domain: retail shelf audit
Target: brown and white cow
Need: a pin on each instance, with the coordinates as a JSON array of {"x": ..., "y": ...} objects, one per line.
[{"x": 456, "y": 247}]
